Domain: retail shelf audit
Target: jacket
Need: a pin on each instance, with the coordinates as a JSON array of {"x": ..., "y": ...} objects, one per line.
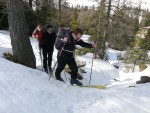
[
  {"x": 69, "y": 47},
  {"x": 38, "y": 34},
  {"x": 48, "y": 40}
]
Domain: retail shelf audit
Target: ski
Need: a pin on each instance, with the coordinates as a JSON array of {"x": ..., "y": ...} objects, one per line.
[{"x": 92, "y": 86}]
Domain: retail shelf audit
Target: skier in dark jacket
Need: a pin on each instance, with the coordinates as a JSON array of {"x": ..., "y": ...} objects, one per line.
[
  {"x": 49, "y": 37},
  {"x": 66, "y": 47},
  {"x": 61, "y": 33}
]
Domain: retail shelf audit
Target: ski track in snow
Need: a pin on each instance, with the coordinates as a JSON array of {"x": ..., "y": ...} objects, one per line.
[{"x": 26, "y": 90}]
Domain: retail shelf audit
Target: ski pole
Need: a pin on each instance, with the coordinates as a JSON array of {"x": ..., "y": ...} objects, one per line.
[
  {"x": 92, "y": 65},
  {"x": 57, "y": 61}
]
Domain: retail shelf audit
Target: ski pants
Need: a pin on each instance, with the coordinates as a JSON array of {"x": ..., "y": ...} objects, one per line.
[
  {"x": 47, "y": 56},
  {"x": 61, "y": 65}
]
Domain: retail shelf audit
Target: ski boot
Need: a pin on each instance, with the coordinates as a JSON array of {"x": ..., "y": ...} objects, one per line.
[{"x": 75, "y": 82}]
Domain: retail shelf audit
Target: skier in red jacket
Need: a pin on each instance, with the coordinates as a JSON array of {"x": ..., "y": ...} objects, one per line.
[{"x": 38, "y": 34}]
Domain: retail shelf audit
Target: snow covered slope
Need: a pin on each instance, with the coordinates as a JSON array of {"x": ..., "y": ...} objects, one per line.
[{"x": 26, "y": 90}]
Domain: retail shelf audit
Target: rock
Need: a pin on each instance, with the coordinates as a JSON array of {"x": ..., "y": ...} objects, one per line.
[{"x": 143, "y": 79}]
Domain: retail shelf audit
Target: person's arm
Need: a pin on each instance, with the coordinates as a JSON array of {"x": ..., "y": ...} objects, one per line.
[
  {"x": 43, "y": 36},
  {"x": 59, "y": 43},
  {"x": 55, "y": 36},
  {"x": 41, "y": 41},
  {"x": 34, "y": 33},
  {"x": 84, "y": 44}
]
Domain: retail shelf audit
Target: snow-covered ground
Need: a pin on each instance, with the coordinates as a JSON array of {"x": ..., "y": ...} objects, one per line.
[{"x": 26, "y": 90}]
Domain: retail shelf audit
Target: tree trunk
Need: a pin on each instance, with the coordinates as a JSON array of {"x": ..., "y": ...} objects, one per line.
[
  {"x": 21, "y": 46},
  {"x": 106, "y": 29},
  {"x": 30, "y": 3},
  {"x": 98, "y": 32},
  {"x": 59, "y": 4}
]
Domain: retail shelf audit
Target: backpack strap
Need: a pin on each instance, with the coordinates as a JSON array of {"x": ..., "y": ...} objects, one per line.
[{"x": 67, "y": 36}]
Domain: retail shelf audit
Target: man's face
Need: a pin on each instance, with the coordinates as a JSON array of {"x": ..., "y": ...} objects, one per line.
[
  {"x": 77, "y": 37},
  {"x": 62, "y": 28},
  {"x": 49, "y": 30}
]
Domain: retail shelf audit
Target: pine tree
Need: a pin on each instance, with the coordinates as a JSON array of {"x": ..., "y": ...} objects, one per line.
[
  {"x": 3, "y": 15},
  {"x": 138, "y": 53},
  {"x": 97, "y": 28}
]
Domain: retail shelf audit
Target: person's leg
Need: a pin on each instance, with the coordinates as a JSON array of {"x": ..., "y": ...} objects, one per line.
[
  {"x": 50, "y": 55},
  {"x": 60, "y": 67},
  {"x": 79, "y": 76},
  {"x": 74, "y": 69},
  {"x": 45, "y": 60},
  {"x": 39, "y": 44}
]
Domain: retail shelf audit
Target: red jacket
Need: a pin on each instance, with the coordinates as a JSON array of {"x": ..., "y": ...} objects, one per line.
[{"x": 38, "y": 34}]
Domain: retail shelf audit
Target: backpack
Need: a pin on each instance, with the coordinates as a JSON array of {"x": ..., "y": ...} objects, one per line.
[{"x": 63, "y": 32}]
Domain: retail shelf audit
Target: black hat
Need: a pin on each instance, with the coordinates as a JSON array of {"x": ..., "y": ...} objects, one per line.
[{"x": 49, "y": 26}]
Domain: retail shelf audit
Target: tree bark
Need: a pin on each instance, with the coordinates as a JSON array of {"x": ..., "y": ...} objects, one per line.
[
  {"x": 106, "y": 29},
  {"x": 59, "y": 4},
  {"x": 21, "y": 46},
  {"x": 30, "y": 3}
]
